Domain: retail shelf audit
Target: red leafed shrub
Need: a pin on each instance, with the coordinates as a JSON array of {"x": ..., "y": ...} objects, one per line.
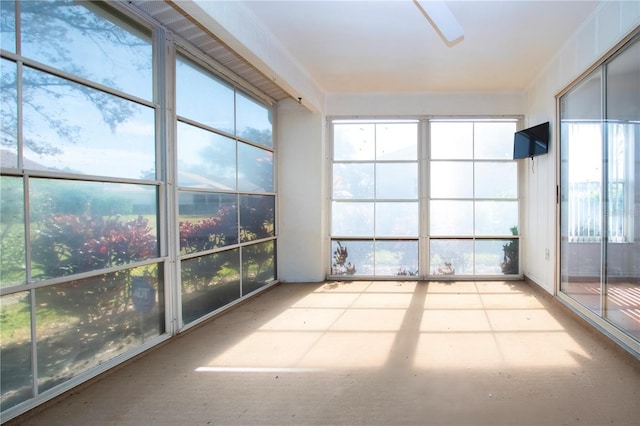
[
  {"x": 201, "y": 235},
  {"x": 210, "y": 233},
  {"x": 68, "y": 244}
]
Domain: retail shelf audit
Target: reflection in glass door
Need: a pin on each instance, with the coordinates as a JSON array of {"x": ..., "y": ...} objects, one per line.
[
  {"x": 581, "y": 189},
  {"x": 600, "y": 194},
  {"x": 622, "y": 254}
]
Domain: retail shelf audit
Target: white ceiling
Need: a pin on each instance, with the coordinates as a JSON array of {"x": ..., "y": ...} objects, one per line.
[{"x": 390, "y": 46}]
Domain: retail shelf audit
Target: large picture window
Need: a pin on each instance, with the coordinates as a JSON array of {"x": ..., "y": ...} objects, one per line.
[
  {"x": 473, "y": 203},
  {"x": 79, "y": 225},
  {"x": 375, "y": 208},
  {"x": 128, "y": 210},
  {"x": 226, "y": 198},
  {"x": 378, "y": 222}
]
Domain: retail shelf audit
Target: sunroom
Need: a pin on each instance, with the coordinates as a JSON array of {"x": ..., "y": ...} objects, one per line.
[{"x": 162, "y": 164}]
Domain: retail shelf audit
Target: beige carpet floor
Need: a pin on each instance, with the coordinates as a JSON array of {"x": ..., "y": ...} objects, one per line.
[{"x": 372, "y": 353}]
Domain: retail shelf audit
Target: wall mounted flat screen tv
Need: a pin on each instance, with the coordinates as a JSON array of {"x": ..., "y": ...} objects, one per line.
[{"x": 531, "y": 142}]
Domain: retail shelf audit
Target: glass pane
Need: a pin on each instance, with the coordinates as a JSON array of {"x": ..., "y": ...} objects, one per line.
[
  {"x": 451, "y": 218},
  {"x": 12, "y": 239},
  {"x": 496, "y": 180},
  {"x": 253, "y": 121},
  {"x": 352, "y": 257},
  {"x": 205, "y": 159},
  {"x": 583, "y": 177},
  {"x": 202, "y": 97},
  {"x": 255, "y": 169},
  {"x": 83, "y": 39},
  {"x": 620, "y": 179},
  {"x": 494, "y": 141},
  {"x": 622, "y": 304},
  {"x": 584, "y": 101},
  {"x": 207, "y": 221},
  {"x": 354, "y": 141},
  {"x": 8, "y": 113},
  {"x": 209, "y": 282},
  {"x": 580, "y": 273},
  {"x": 353, "y": 180},
  {"x": 581, "y": 186},
  {"x": 451, "y": 257},
  {"x": 623, "y": 286},
  {"x": 7, "y": 26},
  {"x": 496, "y": 257},
  {"x": 15, "y": 349},
  {"x": 396, "y": 258},
  {"x": 352, "y": 219},
  {"x": 86, "y": 226},
  {"x": 257, "y": 217},
  {"x": 397, "y": 141},
  {"x": 623, "y": 91},
  {"x": 623, "y": 192},
  {"x": 451, "y": 141},
  {"x": 397, "y": 181},
  {"x": 451, "y": 179},
  {"x": 397, "y": 219},
  {"x": 258, "y": 266},
  {"x": 496, "y": 217},
  {"x": 72, "y": 128},
  {"x": 83, "y": 323}
]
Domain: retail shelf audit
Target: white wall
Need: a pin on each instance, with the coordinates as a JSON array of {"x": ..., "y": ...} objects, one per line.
[
  {"x": 601, "y": 32},
  {"x": 302, "y": 210},
  {"x": 303, "y": 202},
  {"x": 440, "y": 104},
  {"x": 303, "y": 253}
]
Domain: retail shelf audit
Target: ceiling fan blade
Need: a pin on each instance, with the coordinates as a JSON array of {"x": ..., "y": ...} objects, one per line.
[{"x": 440, "y": 16}]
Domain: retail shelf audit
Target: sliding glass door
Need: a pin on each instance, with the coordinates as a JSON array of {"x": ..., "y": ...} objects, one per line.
[
  {"x": 581, "y": 189},
  {"x": 622, "y": 253},
  {"x": 600, "y": 193}
]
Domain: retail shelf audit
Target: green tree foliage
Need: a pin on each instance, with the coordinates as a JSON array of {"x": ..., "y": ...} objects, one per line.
[
  {"x": 509, "y": 263},
  {"x": 53, "y": 19},
  {"x": 263, "y": 137}
]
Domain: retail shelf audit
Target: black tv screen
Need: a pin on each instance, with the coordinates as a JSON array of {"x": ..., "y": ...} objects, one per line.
[{"x": 531, "y": 142}]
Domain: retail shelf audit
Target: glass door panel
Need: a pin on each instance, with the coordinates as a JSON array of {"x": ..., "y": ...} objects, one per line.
[
  {"x": 581, "y": 189},
  {"x": 600, "y": 195},
  {"x": 622, "y": 280}
]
